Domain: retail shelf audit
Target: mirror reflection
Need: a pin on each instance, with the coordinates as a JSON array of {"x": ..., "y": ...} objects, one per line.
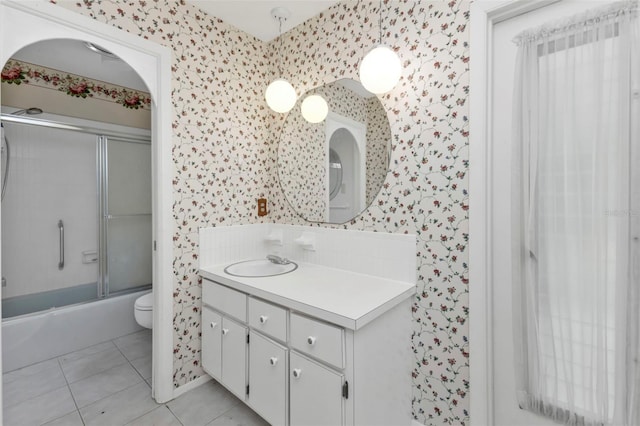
[{"x": 331, "y": 171}]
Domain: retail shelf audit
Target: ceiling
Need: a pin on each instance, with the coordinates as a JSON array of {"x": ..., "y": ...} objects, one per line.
[
  {"x": 251, "y": 16},
  {"x": 74, "y": 57},
  {"x": 254, "y": 16}
]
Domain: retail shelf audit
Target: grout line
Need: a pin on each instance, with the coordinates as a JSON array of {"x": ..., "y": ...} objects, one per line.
[
  {"x": 174, "y": 414},
  {"x": 98, "y": 372},
  {"x": 230, "y": 408},
  {"x": 68, "y": 384},
  {"x": 131, "y": 364},
  {"x": 71, "y": 393}
]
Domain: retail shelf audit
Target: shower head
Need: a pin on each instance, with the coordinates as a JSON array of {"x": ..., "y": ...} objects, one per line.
[{"x": 29, "y": 111}]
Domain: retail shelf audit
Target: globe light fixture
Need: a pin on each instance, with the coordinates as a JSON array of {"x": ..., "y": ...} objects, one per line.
[
  {"x": 314, "y": 108},
  {"x": 280, "y": 94},
  {"x": 380, "y": 69}
]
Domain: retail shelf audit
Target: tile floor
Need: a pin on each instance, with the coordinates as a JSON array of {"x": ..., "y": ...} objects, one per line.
[{"x": 109, "y": 384}]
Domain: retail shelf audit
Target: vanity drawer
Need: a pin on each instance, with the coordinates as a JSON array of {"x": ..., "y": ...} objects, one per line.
[
  {"x": 268, "y": 319},
  {"x": 225, "y": 300},
  {"x": 318, "y": 339}
]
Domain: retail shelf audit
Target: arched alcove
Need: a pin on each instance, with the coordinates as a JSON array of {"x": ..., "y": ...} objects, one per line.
[{"x": 152, "y": 63}]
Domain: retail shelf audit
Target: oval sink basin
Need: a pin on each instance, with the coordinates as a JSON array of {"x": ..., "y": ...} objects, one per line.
[{"x": 259, "y": 268}]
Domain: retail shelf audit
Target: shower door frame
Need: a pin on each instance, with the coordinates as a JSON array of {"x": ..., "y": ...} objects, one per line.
[
  {"x": 102, "y": 137},
  {"x": 104, "y": 217},
  {"x": 153, "y": 63}
]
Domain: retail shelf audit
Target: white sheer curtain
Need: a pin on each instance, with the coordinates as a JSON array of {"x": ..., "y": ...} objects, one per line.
[{"x": 576, "y": 285}]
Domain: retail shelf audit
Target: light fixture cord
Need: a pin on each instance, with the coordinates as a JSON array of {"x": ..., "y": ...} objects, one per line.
[
  {"x": 280, "y": 47},
  {"x": 380, "y": 22}
]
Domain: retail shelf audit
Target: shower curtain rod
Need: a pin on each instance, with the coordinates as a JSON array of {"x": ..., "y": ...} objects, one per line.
[{"x": 9, "y": 118}]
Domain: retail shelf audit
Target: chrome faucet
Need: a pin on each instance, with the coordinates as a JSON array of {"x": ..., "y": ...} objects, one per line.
[{"x": 277, "y": 259}]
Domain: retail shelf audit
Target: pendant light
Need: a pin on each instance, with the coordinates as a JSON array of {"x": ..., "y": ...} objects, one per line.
[
  {"x": 314, "y": 108},
  {"x": 280, "y": 94},
  {"x": 380, "y": 69}
]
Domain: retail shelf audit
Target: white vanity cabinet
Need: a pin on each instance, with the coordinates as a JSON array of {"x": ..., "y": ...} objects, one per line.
[
  {"x": 224, "y": 339},
  {"x": 304, "y": 369},
  {"x": 316, "y": 395},
  {"x": 268, "y": 378}
]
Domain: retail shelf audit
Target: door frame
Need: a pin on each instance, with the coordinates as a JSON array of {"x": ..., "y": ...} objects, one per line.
[
  {"x": 153, "y": 63},
  {"x": 485, "y": 14}
]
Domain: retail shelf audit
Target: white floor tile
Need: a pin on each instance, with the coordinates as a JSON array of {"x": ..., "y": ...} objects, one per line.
[
  {"x": 161, "y": 416},
  {"x": 202, "y": 404},
  {"x": 100, "y": 347},
  {"x": 8, "y": 377},
  {"x": 101, "y": 385},
  {"x": 135, "y": 345},
  {"x": 240, "y": 415},
  {"x": 136, "y": 350},
  {"x": 77, "y": 368},
  {"x": 138, "y": 336},
  {"x": 40, "y": 409},
  {"x": 22, "y": 387},
  {"x": 71, "y": 419},
  {"x": 120, "y": 408},
  {"x": 143, "y": 366}
]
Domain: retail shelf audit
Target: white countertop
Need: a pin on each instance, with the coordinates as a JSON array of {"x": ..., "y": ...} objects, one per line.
[{"x": 345, "y": 298}]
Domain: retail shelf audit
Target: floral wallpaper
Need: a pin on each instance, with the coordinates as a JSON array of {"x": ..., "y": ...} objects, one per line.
[
  {"x": 221, "y": 151},
  {"x": 20, "y": 72},
  {"x": 378, "y": 147},
  {"x": 225, "y": 143},
  {"x": 302, "y": 159},
  {"x": 426, "y": 190}
]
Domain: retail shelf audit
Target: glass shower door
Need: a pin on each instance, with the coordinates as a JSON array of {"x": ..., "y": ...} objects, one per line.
[
  {"x": 49, "y": 226},
  {"x": 126, "y": 226}
]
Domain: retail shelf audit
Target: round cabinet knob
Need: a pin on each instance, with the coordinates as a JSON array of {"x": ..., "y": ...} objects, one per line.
[
  {"x": 213, "y": 324},
  {"x": 297, "y": 373},
  {"x": 225, "y": 331},
  {"x": 311, "y": 340},
  {"x": 263, "y": 319},
  {"x": 273, "y": 360}
]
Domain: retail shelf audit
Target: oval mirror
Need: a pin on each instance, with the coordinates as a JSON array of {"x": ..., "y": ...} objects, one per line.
[{"x": 332, "y": 170}]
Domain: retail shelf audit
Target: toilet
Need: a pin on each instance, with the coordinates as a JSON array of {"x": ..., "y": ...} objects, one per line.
[{"x": 143, "y": 310}]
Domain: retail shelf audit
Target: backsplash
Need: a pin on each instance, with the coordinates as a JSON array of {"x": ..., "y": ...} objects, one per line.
[
  {"x": 381, "y": 254},
  {"x": 225, "y": 141}
]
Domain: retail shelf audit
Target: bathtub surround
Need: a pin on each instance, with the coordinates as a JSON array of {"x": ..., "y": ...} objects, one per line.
[
  {"x": 54, "y": 333},
  {"x": 225, "y": 140}
]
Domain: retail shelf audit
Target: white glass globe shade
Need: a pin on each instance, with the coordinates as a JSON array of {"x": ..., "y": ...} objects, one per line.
[
  {"x": 314, "y": 108},
  {"x": 280, "y": 96},
  {"x": 380, "y": 70}
]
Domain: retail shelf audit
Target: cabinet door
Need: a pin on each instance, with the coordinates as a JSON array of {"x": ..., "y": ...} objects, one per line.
[
  {"x": 234, "y": 357},
  {"x": 268, "y": 379},
  {"x": 212, "y": 343},
  {"x": 315, "y": 393}
]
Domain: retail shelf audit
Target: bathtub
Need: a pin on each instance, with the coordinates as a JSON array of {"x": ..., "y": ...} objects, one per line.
[{"x": 37, "y": 337}]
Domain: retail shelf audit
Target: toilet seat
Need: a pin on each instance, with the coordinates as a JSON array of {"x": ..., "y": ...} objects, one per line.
[{"x": 144, "y": 303}]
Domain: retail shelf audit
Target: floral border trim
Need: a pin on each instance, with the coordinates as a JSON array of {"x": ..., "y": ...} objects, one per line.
[{"x": 19, "y": 72}]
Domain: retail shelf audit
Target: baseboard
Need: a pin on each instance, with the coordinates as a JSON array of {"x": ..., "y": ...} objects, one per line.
[{"x": 191, "y": 385}]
